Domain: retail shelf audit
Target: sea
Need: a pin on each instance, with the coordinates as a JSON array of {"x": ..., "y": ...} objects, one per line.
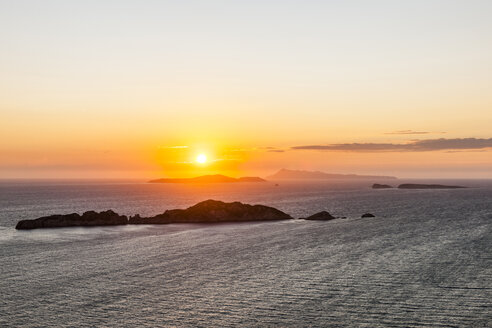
[{"x": 424, "y": 260}]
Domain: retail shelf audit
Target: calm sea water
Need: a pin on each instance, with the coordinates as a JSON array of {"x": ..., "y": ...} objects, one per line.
[{"x": 425, "y": 260}]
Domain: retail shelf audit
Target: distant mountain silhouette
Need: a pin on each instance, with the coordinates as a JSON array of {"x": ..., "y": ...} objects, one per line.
[
  {"x": 216, "y": 178},
  {"x": 285, "y": 174}
]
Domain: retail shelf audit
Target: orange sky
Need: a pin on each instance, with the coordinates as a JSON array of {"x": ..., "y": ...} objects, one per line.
[{"x": 95, "y": 90}]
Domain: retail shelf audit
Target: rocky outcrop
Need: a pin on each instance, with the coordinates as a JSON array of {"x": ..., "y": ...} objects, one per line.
[
  {"x": 211, "y": 211},
  {"x": 427, "y": 186},
  {"x": 381, "y": 186},
  {"x": 368, "y": 215},
  {"x": 321, "y": 216},
  {"x": 89, "y": 218}
]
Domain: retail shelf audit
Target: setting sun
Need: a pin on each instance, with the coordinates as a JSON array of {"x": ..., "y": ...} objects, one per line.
[{"x": 202, "y": 159}]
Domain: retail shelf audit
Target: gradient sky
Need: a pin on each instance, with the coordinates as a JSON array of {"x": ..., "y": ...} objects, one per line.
[{"x": 137, "y": 89}]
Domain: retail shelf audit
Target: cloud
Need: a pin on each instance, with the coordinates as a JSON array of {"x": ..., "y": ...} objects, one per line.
[
  {"x": 404, "y": 132},
  {"x": 239, "y": 150},
  {"x": 173, "y": 147},
  {"x": 272, "y": 149},
  {"x": 467, "y": 151},
  {"x": 408, "y": 132},
  {"x": 414, "y": 146}
]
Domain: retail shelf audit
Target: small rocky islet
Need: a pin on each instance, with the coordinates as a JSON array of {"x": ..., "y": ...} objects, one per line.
[
  {"x": 321, "y": 216},
  {"x": 209, "y": 211}
]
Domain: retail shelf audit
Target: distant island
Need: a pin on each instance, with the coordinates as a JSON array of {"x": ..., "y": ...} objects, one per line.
[
  {"x": 427, "y": 186},
  {"x": 416, "y": 186},
  {"x": 381, "y": 186},
  {"x": 216, "y": 178},
  {"x": 285, "y": 174}
]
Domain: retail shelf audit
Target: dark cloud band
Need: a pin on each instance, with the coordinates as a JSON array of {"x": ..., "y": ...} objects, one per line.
[{"x": 417, "y": 145}]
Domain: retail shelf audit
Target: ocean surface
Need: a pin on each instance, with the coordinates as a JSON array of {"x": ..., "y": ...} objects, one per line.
[{"x": 425, "y": 260}]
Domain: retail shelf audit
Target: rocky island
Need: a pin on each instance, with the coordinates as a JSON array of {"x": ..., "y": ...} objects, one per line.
[
  {"x": 381, "y": 186},
  {"x": 427, "y": 186},
  {"x": 321, "y": 216},
  {"x": 216, "y": 178},
  {"x": 90, "y": 218},
  {"x": 214, "y": 211},
  {"x": 209, "y": 211},
  {"x": 416, "y": 186}
]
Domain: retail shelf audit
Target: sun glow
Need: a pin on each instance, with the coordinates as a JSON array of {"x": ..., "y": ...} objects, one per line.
[{"x": 201, "y": 158}]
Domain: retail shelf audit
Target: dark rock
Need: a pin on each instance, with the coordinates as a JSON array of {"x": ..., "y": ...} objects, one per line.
[
  {"x": 89, "y": 218},
  {"x": 321, "y": 216},
  {"x": 214, "y": 211},
  {"x": 368, "y": 215},
  {"x": 427, "y": 186},
  {"x": 381, "y": 186}
]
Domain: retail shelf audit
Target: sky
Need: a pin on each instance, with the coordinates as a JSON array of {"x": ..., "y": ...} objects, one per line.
[{"x": 139, "y": 89}]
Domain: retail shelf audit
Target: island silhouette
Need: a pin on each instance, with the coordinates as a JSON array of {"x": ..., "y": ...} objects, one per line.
[
  {"x": 416, "y": 186},
  {"x": 214, "y": 178},
  {"x": 286, "y": 174}
]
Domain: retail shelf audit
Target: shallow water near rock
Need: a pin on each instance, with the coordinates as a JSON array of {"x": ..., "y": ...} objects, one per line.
[{"x": 424, "y": 260}]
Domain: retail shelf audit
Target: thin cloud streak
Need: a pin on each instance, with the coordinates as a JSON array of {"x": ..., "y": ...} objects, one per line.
[
  {"x": 408, "y": 132},
  {"x": 173, "y": 147},
  {"x": 413, "y": 146}
]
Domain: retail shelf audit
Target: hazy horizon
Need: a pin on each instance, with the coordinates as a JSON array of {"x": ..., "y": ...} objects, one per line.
[{"x": 152, "y": 89}]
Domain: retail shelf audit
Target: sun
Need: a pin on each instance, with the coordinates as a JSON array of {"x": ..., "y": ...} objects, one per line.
[{"x": 201, "y": 158}]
